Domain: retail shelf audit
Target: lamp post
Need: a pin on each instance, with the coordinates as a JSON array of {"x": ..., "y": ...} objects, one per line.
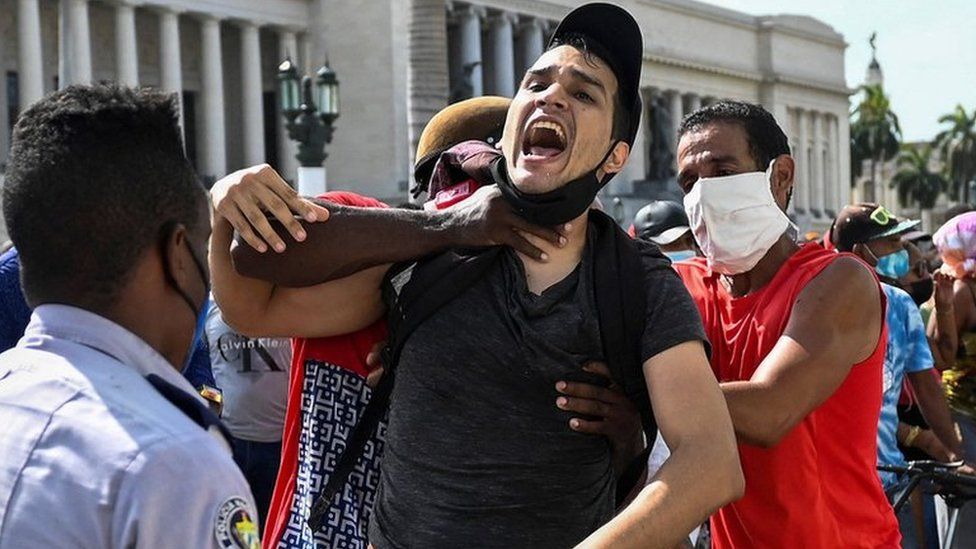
[{"x": 310, "y": 125}]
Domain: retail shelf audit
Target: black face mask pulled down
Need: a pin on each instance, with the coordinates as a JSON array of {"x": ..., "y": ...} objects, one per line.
[
  {"x": 921, "y": 290},
  {"x": 557, "y": 206}
]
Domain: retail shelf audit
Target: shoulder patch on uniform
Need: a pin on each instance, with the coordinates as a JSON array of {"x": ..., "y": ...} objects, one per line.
[{"x": 234, "y": 527}]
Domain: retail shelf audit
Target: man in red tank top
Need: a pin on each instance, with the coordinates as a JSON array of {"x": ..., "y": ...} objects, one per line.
[{"x": 798, "y": 339}]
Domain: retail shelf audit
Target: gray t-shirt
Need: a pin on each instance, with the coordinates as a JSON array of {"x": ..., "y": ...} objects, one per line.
[
  {"x": 253, "y": 375},
  {"x": 477, "y": 453}
]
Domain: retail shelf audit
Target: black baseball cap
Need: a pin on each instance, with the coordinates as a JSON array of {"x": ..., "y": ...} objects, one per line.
[
  {"x": 617, "y": 32},
  {"x": 662, "y": 222},
  {"x": 860, "y": 223}
]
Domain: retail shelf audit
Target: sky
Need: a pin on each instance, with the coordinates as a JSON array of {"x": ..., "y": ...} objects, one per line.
[{"x": 926, "y": 48}]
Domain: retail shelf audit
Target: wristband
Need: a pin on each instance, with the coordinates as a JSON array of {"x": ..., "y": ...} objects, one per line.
[{"x": 913, "y": 433}]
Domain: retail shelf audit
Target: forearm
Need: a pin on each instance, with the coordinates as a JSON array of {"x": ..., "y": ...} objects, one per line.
[
  {"x": 760, "y": 417},
  {"x": 945, "y": 336},
  {"x": 241, "y": 299},
  {"x": 351, "y": 240},
  {"x": 932, "y": 403},
  {"x": 695, "y": 481}
]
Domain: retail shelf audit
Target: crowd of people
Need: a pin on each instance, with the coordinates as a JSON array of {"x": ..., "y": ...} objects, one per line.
[{"x": 502, "y": 367}]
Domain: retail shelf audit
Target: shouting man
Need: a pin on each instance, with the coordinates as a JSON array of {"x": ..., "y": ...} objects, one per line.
[{"x": 454, "y": 470}]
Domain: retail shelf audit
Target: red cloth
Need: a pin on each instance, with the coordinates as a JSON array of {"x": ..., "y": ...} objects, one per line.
[
  {"x": 348, "y": 351},
  {"x": 818, "y": 487}
]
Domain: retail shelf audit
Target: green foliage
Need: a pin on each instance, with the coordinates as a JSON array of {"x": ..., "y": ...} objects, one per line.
[
  {"x": 957, "y": 145},
  {"x": 915, "y": 182},
  {"x": 875, "y": 131}
]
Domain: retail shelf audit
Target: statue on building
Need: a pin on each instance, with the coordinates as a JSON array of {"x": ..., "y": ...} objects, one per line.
[
  {"x": 874, "y": 75},
  {"x": 465, "y": 88},
  {"x": 660, "y": 154}
]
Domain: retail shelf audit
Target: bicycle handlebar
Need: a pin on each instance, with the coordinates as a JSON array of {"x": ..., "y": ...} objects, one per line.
[{"x": 935, "y": 470}]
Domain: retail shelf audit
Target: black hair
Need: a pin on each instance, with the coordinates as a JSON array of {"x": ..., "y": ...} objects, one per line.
[
  {"x": 766, "y": 138},
  {"x": 591, "y": 48},
  {"x": 96, "y": 176}
]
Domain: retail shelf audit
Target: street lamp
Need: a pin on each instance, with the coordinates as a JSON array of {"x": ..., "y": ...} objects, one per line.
[{"x": 310, "y": 125}]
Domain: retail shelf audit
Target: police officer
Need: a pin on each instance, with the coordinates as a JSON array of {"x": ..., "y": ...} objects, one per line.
[{"x": 104, "y": 443}]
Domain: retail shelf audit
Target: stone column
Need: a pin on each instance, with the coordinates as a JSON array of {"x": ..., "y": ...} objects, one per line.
[
  {"x": 503, "y": 54},
  {"x": 170, "y": 64},
  {"x": 830, "y": 169},
  {"x": 693, "y": 102},
  {"x": 802, "y": 178},
  {"x": 470, "y": 31},
  {"x": 29, "y": 59},
  {"x": 531, "y": 42},
  {"x": 287, "y": 149},
  {"x": 74, "y": 59},
  {"x": 677, "y": 114},
  {"x": 842, "y": 187},
  {"x": 252, "y": 102},
  {"x": 213, "y": 161},
  {"x": 819, "y": 180},
  {"x": 126, "y": 56}
]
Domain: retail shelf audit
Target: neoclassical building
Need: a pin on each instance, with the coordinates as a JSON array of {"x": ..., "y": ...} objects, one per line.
[{"x": 399, "y": 61}]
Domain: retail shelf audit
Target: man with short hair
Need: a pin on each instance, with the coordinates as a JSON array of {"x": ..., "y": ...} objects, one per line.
[
  {"x": 105, "y": 444},
  {"x": 875, "y": 235},
  {"x": 798, "y": 341},
  {"x": 454, "y": 470}
]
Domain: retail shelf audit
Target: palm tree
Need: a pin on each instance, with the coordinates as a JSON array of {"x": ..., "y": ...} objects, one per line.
[
  {"x": 957, "y": 144},
  {"x": 916, "y": 183},
  {"x": 427, "y": 76},
  {"x": 875, "y": 135}
]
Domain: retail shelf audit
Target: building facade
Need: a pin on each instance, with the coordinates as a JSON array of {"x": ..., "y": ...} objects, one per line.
[{"x": 399, "y": 61}]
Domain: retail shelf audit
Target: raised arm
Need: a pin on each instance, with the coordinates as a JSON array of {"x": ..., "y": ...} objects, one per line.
[
  {"x": 354, "y": 239},
  {"x": 257, "y": 308},
  {"x": 942, "y": 335},
  {"x": 812, "y": 357},
  {"x": 703, "y": 471}
]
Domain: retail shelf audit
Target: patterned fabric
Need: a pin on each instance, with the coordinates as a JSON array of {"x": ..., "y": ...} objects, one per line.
[
  {"x": 908, "y": 351},
  {"x": 332, "y": 400},
  {"x": 956, "y": 242}
]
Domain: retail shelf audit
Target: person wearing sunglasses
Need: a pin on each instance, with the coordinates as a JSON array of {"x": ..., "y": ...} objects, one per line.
[{"x": 874, "y": 234}]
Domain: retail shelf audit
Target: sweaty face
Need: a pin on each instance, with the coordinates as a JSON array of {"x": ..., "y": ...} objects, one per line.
[
  {"x": 715, "y": 150},
  {"x": 560, "y": 122}
]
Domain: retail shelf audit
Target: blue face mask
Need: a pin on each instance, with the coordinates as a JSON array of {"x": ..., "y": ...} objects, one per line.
[
  {"x": 680, "y": 256},
  {"x": 893, "y": 265}
]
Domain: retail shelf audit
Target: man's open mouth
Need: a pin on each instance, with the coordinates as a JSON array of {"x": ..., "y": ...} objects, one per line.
[{"x": 543, "y": 140}]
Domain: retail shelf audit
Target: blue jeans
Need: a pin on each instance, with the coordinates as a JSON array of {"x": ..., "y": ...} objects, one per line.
[{"x": 259, "y": 462}]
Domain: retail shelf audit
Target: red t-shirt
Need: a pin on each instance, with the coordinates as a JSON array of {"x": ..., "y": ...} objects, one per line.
[{"x": 818, "y": 487}]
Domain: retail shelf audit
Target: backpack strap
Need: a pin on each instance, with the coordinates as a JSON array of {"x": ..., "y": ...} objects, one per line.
[
  {"x": 621, "y": 301},
  {"x": 413, "y": 293}
]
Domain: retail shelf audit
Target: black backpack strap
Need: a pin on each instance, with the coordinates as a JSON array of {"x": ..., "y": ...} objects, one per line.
[
  {"x": 413, "y": 294},
  {"x": 621, "y": 301}
]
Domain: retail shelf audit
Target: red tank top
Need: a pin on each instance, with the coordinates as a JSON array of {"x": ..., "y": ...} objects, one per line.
[{"x": 818, "y": 487}]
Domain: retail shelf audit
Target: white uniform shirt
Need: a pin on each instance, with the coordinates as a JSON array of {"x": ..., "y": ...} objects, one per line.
[{"x": 92, "y": 455}]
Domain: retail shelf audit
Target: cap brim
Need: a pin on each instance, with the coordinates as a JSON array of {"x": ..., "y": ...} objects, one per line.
[
  {"x": 668, "y": 236},
  {"x": 900, "y": 228},
  {"x": 916, "y": 234}
]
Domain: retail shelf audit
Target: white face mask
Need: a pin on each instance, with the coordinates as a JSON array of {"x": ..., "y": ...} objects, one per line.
[{"x": 735, "y": 219}]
